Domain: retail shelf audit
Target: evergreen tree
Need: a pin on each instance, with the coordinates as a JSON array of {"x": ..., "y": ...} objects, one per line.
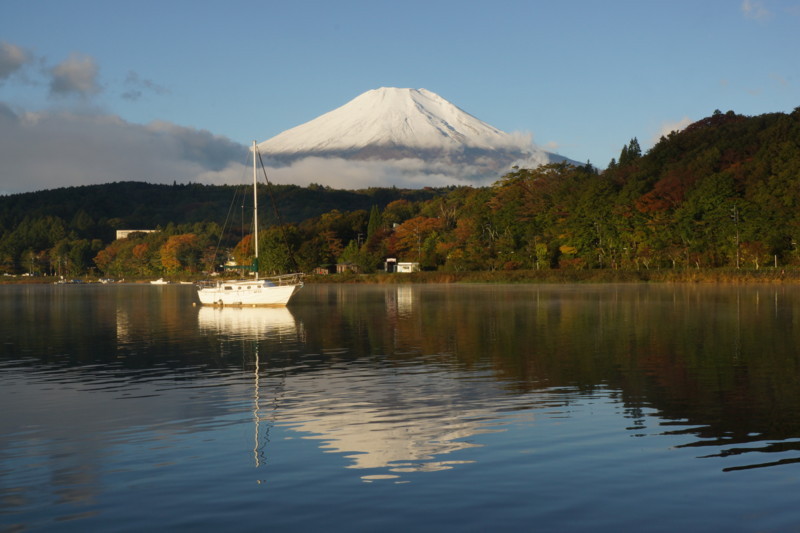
[
  {"x": 630, "y": 152},
  {"x": 375, "y": 222}
]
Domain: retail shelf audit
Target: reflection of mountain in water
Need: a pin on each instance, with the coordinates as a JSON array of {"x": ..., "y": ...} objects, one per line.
[{"x": 403, "y": 419}]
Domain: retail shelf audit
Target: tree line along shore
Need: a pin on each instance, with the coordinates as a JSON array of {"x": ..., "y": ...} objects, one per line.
[
  {"x": 769, "y": 275},
  {"x": 717, "y": 201}
]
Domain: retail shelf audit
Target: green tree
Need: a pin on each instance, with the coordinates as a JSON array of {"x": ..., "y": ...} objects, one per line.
[
  {"x": 277, "y": 250},
  {"x": 375, "y": 221}
]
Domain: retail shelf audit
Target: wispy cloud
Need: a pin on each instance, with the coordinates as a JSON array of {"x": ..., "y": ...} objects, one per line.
[
  {"x": 780, "y": 80},
  {"x": 754, "y": 9},
  {"x": 12, "y": 59},
  {"x": 670, "y": 126},
  {"x": 135, "y": 87},
  {"x": 77, "y": 75}
]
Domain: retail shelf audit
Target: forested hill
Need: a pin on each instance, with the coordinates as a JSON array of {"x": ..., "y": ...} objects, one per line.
[
  {"x": 138, "y": 205},
  {"x": 724, "y": 192}
]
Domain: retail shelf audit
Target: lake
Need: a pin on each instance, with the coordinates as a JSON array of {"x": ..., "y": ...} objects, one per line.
[{"x": 401, "y": 408}]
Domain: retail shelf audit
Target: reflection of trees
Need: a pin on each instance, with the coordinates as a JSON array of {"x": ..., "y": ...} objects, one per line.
[
  {"x": 135, "y": 327},
  {"x": 719, "y": 359},
  {"x": 727, "y": 366}
]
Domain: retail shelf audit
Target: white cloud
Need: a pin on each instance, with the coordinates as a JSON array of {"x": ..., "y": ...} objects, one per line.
[
  {"x": 77, "y": 75},
  {"x": 551, "y": 147},
  {"x": 520, "y": 140},
  {"x": 46, "y": 150},
  {"x": 12, "y": 59},
  {"x": 533, "y": 160},
  {"x": 668, "y": 127},
  {"x": 445, "y": 169},
  {"x": 753, "y": 9},
  {"x": 346, "y": 174}
]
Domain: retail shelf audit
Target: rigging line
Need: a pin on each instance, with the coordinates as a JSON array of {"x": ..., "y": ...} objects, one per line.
[
  {"x": 277, "y": 214},
  {"x": 225, "y": 224},
  {"x": 269, "y": 190},
  {"x": 228, "y": 216}
]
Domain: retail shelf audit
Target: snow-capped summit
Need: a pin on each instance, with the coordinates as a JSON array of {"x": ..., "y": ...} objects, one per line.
[
  {"x": 414, "y": 134},
  {"x": 391, "y": 117}
]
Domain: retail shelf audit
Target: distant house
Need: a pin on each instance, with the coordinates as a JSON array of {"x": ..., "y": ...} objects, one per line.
[
  {"x": 392, "y": 265},
  {"x": 324, "y": 270},
  {"x": 123, "y": 233},
  {"x": 408, "y": 267},
  {"x": 347, "y": 267}
]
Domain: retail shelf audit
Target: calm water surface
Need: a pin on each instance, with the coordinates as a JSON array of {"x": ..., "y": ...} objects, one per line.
[{"x": 399, "y": 408}]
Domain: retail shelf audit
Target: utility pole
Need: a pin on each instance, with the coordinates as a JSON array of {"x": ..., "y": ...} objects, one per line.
[{"x": 736, "y": 222}]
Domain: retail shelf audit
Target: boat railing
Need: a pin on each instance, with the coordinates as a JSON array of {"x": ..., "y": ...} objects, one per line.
[
  {"x": 287, "y": 279},
  {"x": 283, "y": 279}
]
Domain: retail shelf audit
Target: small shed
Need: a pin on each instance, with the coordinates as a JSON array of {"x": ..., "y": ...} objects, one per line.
[
  {"x": 324, "y": 270},
  {"x": 347, "y": 267},
  {"x": 408, "y": 267}
]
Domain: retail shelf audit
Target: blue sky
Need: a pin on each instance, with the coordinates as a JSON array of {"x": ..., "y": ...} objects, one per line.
[{"x": 201, "y": 79}]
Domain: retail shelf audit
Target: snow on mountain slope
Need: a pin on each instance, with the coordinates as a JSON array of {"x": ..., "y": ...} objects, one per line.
[
  {"x": 392, "y": 117},
  {"x": 400, "y": 137}
]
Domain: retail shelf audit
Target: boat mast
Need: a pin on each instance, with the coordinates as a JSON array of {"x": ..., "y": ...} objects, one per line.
[{"x": 255, "y": 213}]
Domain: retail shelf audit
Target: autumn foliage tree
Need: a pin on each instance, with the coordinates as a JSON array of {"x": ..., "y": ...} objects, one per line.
[{"x": 180, "y": 253}]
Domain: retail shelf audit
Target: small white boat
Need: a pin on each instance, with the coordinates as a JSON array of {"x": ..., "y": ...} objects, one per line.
[
  {"x": 274, "y": 291},
  {"x": 159, "y": 281}
]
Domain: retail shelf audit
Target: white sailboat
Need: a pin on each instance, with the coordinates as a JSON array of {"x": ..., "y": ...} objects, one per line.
[{"x": 274, "y": 291}]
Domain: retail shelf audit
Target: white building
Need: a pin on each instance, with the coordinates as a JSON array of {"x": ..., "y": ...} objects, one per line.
[
  {"x": 408, "y": 267},
  {"x": 123, "y": 233}
]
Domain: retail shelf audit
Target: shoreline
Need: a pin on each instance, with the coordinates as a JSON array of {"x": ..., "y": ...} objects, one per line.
[{"x": 726, "y": 276}]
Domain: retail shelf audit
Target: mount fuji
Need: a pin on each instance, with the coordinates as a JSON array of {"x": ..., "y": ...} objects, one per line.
[{"x": 406, "y": 136}]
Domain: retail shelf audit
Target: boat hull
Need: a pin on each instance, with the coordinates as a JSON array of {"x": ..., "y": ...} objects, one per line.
[{"x": 247, "y": 294}]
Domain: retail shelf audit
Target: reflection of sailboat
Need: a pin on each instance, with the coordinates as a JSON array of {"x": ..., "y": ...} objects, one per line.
[
  {"x": 251, "y": 323},
  {"x": 247, "y": 321},
  {"x": 275, "y": 291}
]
